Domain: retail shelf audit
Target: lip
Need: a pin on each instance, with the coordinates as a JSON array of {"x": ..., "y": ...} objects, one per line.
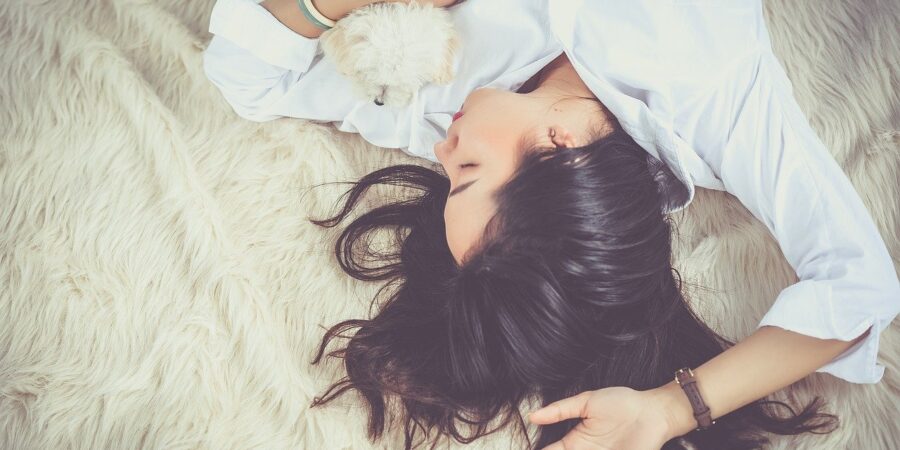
[{"x": 457, "y": 116}]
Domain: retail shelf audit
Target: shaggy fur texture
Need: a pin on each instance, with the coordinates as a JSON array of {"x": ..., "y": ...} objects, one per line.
[
  {"x": 160, "y": 286},
  {"x": 390, "y": 50}
]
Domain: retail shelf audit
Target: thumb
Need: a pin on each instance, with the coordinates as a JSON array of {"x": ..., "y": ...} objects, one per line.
[{"x": 567, "y": 408}]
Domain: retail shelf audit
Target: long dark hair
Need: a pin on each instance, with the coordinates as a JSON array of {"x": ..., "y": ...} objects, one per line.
[{"x": 571, "y": 289}]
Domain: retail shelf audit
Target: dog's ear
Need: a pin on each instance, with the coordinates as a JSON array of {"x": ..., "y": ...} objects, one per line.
[
  {"x": 333, "y": 43},
  {"x": 446, "y": 73}
]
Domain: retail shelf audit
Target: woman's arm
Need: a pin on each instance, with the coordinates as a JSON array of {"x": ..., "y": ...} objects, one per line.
[
  {"x": 266, "y": 70},
  {"x": 742, "y": 119},
  {"x": 264, "y": 60},
  {"x": 764, "y": 362},
  {"x": 753, "y": 134},
  {"x": 288, "y": 11}
]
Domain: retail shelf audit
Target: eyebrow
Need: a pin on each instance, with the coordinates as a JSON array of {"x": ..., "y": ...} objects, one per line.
[
  {"x": 526, "y": 140},
  {"x": 462, "y": 188}
]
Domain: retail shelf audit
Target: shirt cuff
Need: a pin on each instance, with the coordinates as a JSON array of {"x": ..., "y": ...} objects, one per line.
[
  {"x": 809, "y": 307},
  {"x": 255, "y": 29}
]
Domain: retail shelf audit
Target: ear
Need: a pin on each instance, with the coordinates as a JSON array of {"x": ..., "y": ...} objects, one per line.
[{"x": 561, "y": 137}]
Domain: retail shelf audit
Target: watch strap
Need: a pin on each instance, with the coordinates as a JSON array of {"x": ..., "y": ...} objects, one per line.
[{"x": 685, "y": 378}]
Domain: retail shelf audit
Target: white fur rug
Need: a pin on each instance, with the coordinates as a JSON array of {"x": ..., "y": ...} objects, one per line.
[{"x": 161, "y": 288}]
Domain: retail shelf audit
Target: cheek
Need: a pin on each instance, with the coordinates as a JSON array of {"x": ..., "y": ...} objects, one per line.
[
  {"x": 451, "y": 217},
  {"x": 451, "y": 230},
  {"x": 446, "y": 212}
]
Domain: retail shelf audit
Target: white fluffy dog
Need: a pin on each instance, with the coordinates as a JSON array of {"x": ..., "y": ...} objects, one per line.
[{"x": 391, "y": 49}]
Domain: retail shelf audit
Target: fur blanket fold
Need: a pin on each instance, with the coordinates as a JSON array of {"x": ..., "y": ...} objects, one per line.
[{"x": 161, "y": 287}]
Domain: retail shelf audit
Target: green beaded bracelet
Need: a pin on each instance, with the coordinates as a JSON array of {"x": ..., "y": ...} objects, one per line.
[{"x": 314, "y": 16}]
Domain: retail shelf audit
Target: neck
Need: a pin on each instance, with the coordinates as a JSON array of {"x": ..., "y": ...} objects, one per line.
[
  {"x": 558, "y": 81},
  {"x": 559, "y": 78}
]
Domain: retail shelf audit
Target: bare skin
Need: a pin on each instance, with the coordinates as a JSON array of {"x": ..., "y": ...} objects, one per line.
[{"x": 288, "y": 11}]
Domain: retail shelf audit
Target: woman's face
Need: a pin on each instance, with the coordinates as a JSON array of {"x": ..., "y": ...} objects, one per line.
[{"x": 484, "y": 146}]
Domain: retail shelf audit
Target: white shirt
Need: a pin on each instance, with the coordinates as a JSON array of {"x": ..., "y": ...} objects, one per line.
[{"x": 695, "y": 83}]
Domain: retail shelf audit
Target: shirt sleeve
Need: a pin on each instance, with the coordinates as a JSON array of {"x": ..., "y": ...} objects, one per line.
[
  {"x": 265, "y": 71},
  {"x": 255, "y": 60},
  {"x": 762, "y": 147}
]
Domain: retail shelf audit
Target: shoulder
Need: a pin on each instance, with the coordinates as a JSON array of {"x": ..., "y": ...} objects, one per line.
[{"x": 683, "y": 37}]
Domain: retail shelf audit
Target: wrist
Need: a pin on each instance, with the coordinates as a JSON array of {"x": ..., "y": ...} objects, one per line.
[
  {"x": 288, "y": 12},
  {"x": 677, "y": 409},
  {"x": 337, "y": 10}
]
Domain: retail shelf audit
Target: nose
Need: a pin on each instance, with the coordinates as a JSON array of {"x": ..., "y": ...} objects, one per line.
[
  {"x": 445, "y": 147},
  {"x": 439, "y": 148}
]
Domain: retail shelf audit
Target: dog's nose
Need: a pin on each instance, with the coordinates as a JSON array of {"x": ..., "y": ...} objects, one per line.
[{"x": 379, "y": 100}]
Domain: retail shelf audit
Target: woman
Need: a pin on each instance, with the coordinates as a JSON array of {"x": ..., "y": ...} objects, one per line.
[{"x": 538, "y": 260}]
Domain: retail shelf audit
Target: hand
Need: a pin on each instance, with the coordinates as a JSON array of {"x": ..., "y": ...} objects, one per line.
[{"x": 614, "y": 418}]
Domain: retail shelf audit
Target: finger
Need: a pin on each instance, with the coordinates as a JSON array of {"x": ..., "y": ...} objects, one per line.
[{"x": 566, "y": 408}]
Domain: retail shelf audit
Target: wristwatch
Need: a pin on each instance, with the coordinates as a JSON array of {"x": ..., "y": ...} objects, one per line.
[{"x": 685, "y": 378}]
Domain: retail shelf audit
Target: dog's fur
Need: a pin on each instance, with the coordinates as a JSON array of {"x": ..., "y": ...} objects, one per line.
[
  {"x": 160, "y": 286},
  {"x": 391, "y": 50}
]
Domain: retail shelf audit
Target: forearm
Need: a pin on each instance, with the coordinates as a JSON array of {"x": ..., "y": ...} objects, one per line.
[
  {"x": 766, "y": 361},
  {"x": 288, "y": 12}
]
